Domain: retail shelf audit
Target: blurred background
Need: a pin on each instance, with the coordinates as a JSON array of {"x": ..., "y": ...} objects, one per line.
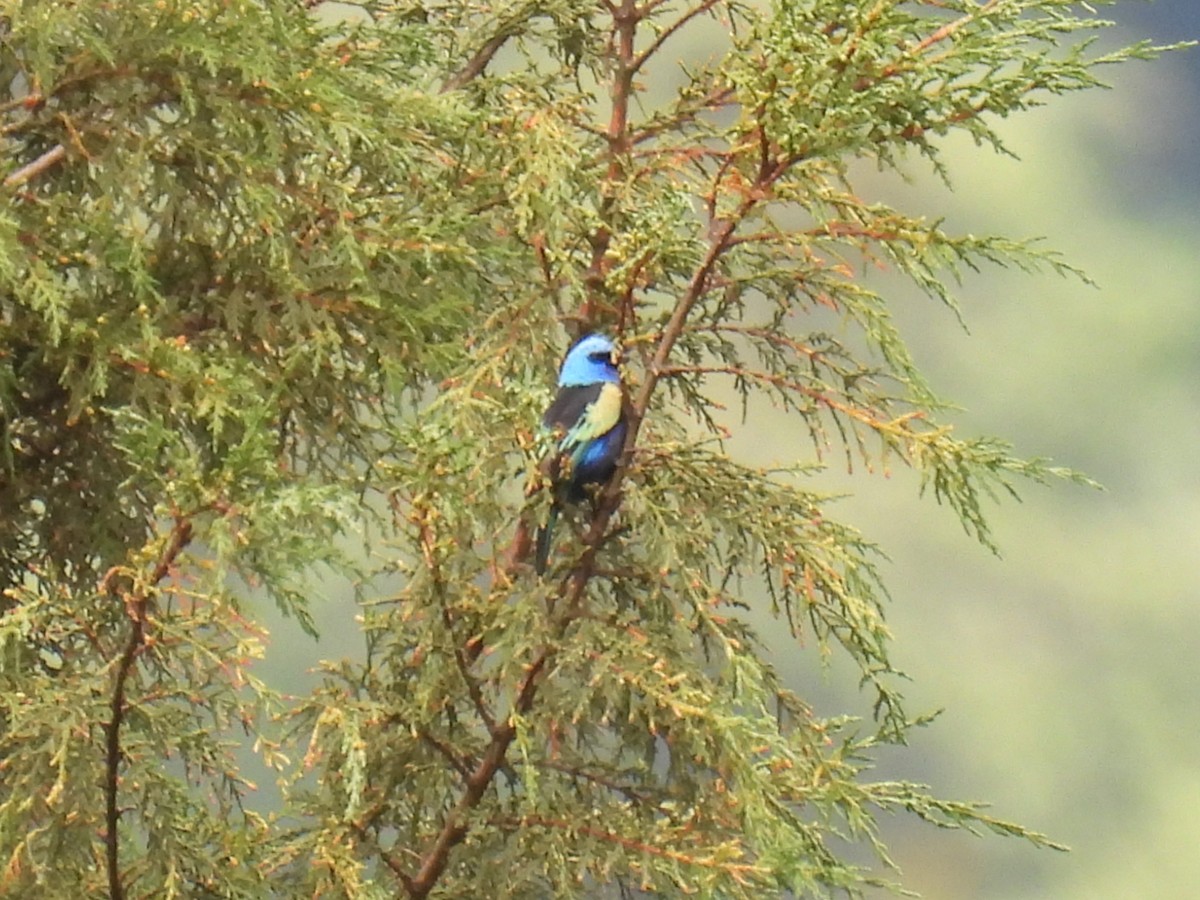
[{"x": 1068, "y": 668}]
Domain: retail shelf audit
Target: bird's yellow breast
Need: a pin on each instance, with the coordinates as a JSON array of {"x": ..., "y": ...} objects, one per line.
[{"x": 604, "y": 412}]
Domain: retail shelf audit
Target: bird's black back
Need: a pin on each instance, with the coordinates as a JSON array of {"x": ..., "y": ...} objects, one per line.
[{"x": 568, "y": 407}]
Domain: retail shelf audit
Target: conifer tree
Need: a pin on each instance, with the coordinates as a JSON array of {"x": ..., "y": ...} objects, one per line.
[{"x": 278, "y": 282}]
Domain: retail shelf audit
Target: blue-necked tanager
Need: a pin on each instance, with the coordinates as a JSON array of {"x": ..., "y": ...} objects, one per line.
[{"x": 589, "y": 415}]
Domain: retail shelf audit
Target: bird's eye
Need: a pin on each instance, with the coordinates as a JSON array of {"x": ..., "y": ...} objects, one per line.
[{"x": 601, "y": 357}]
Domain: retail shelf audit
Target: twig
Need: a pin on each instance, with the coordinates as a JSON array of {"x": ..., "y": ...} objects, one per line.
[
  {"x": 932, "y": 39},
  {"x": 39, "y": 165},
  {"x": 663, "y": 36},
  {"x": 721, "y": 233},
  {"x": 626, "y": 791},
  {"x": 950, "y": 27},
  {"x": 464, "y": 655},
  {"x": 477, "y": 63},
  {"x": 29, "y": 101},
  {"x": 386, "y": 855},
  {"x": 716, "y": 98},
  {"x": 898, "y": 427},
  {"x": 135, "y": 608},
  {"x": 455, "y": 827},
  {"x": 738, "y": 871},
  {"x": 459, "y": 765},
  {"x": 625, "y": 18}
]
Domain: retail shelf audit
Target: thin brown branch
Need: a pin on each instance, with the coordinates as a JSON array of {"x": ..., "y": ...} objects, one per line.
[
  {"x": 625, "y": 17},
  {"x": 137, "y": 635},
  {"x": 478, "y": 62},
  {"x": 665, "y": 35},
  {"x": 739, "y": 871},
  {"x": 625, "y": 790},
  {"x": 721, "y": 233},
  {"x": 454, "y": 828},
  {"x": 386, "y": 855},
  {"x": 538, "y": 242},
  {"x": 697, "y": 287},
  {"x": 456, "y": 762},
  {"x": 35, "y": 168},
  {"x": 136, "y": 602},
  {"x": 29, "y": 101},
  {"x": 935, "y": 37},
  {"x": 463, "y": 657},
  {"x": 728, "y": 158},
  {"x": 716, "y": 98},
  {"x": 468, "y": 651},
  {"x": 625, "y": 23},
  {"x": 898, "y": 427},
  {"x": 950, "y": 27},
  {"x": 679, "y": 156},
  {"x": 768, "y": 335},
  {"x": 627, "y": 307}
]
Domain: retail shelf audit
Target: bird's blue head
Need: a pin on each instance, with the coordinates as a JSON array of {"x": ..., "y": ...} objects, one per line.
[{"x": 592, "y": 359}]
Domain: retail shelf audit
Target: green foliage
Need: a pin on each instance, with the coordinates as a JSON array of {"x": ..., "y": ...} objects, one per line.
[{"x": 271, "y": 288}]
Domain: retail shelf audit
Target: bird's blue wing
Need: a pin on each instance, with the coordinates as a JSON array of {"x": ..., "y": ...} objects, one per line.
[{"x": 590, "y": 418}]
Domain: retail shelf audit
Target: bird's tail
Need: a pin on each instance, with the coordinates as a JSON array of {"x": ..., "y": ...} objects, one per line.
[{"x": 544, "y": 536}]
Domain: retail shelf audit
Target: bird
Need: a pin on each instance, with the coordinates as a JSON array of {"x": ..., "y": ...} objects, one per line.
[{"x": 588, "y": 414}]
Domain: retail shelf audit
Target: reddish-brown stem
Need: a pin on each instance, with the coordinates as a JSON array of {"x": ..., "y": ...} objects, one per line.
[
  {"x": 478, "y": 61},
  {"x": 454, "y": 828},
  {"x": 464, "y": 654},
  {"x": 626, "y": 17},
  {"x": 136, "y": 602},
  {"x": 28, "y": 101},
  {"x": 930, "y": 40},
  {"x": 665, "y": 35},
  {"x": 897, "y": 427},
  {"x": 625, "y": 790},
  {"x": 950, "y": 27},
  {"x": 716, "y": 98},
  {"x": 738, "y": 871},
  {"x": 459, "y": 765},
  {"x": 112, "y": 753}
]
